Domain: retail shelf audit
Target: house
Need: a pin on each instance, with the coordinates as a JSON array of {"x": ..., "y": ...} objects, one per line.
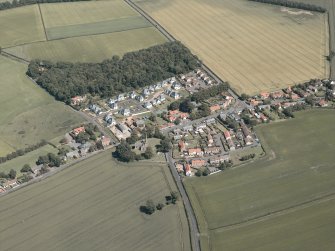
[
  {"x": 10, "y": 184},
  {"x": 312, "y": 88},
  {"x": 140, "y": 98},
  {"x": 154, "y": 102},
  {"x": 277, "y": 94},
  {"x": 125, "y": 112},
  {"x": 245, "y": 130},
  {"x": 231, "y": 144},
  {"x": 162, "y": 97},
  {"x": 223, "y": 116},
  {"x": 172, "y": 118},
  {"x": 198, "y": 72},
  {"x": 180, "y": 168},
  {"x": 197, "y": 163},
  {"x": 175, "y": 95},
  {"x": 176, "y": 86},
  {"x": 120, "y": 97},
  {"x": 77, "y": 100},
  {"x": 264, "y": 95},
  {"x": 105, "y": 141},
  {"x": 95, "y": 109},
  {"x": 254, "y": 102},
  {"x": 147, "y": 105},
  {"x": 183, "y": 115},
  {"x": 182, "y": 146},
  {"x": 146, "y": 92},
  {"x": 73, "y": 154},
  {"x": 323, "y": 103},
  {"x": 114, "y": 106},
  {"x": 263, "y": 117},
  {"x": 188, "y": 128},
  {"x": 264, "y": 107},
  {"x": 132, "y": 95},
  {"x": 187, "y": 170},
  {"x": 212, "y": 150},
  {"x": 210, "y": 121},
  {"x": 110, "y": 119},
  {"x": 78, "y": 130},
  {"x": 210, "y": 139},
  {"x": 227, "y": 135},
  {"x": 151, "y": 88},
  {"x": 294, "y": 96},
  {"x": 200, "y": 127},
  {"x": 288, "y": 90},
  {"x": 214, "y": 108},
  {"x": 140, "y": 123},
  {"x": 218, "y": 160},
  {"x": 195, "y": 152},
  {"x": 122, "y": 128}
]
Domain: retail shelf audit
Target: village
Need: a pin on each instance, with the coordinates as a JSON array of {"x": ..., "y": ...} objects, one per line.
[{"x": 201, "y": 145}]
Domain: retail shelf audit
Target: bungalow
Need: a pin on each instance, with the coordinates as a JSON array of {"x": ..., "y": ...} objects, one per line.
[
  {"x": 140, "y": 123},
  {"x": 175, "y": 95},
  {"x": 198, "y": 163},
  {"x": 288, "y": 90},
  {"x": 231, "y": 144},
  {"x": 254, "y": 102},
  {"x": 147, "y": 105},
  {"x": 151, "y": 88},
  {"x": 188, "y": 170},
  {"x": 263, "y": 117},
  {"x": 125, "y": 112},
  {"x": 245, "y": 130},
  {"x": 210, "y": 139},
  {"x": 105, "y": 141},
  {"x": 122, "y": 128},
  {"x": 179, "y": 168},
  {"x": 182, "y": 146},
  {"x": 162, "y": 97},
  {"x": 210, "y": 121},
  {"x": 288, "y": 104},
  {"x": 195, "y": 152},
  {"x": 198, "y": 72},
  {"x": 183, "y": 115},
  {"x": 110, "y": 119},
  {"x": 277, "y": 94},
  {"x": 172, "y": 118},
  {"x": 78, "y": 130},
  {"x": 188, "y": 128},
  {"x": 294, "y": 96},
  {"x": 77, "y": 100},
  {"x": 218, "y": 160},
  {"x": 154, "y": 102},
  {"x": 313, "y": 88},
  {"x": 264, "y": 107},
  {"x": 200, "y": 126},
  {"x": 214, "y": 108},
  {"x": 212, "y": 150}
]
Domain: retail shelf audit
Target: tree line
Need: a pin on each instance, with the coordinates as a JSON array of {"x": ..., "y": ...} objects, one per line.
[
  {"x": 13, "y": 4},
  {"x": 21, "y": 152},
  {"x": 293, "y": 4},
  {"x": 134, "y": 70}
]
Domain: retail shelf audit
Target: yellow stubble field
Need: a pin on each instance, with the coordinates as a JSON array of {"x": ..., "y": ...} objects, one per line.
[{"x": 254, "y": 46}]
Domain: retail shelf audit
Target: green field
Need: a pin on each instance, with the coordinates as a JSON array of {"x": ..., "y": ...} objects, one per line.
[
  {"x": 28, "y": 113},
  {"x": 20, "y": 25},
  {"x": 98, "y": 47},
  {"x": 76, "y": 31},
  {"x": 94, "y": 205},
  {"x": 29, "y": 158},
  {"x": 298, "y": 173}
]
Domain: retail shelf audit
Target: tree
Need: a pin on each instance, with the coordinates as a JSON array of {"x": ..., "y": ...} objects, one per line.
[
  {"x": 244, "y": 96},
  {"x": 198, "y": 173},
  {"x": 150, "y": 207},
  {"x": 12, "y": 174},
  {"x": 148, "y": 154},
  {"x": 124, "y": 153},
  {"x": 165, "y": 145},
  {"x": 159, "y": 206},
  {"x": 26, "y": 168},
  {"x": 186, "y": 106},
  {"x": 133, "y": 137},
  {"x": 177, "y": 121},
  {"x": 206, "y": 172},
  {"x": 174, "y": 197}
]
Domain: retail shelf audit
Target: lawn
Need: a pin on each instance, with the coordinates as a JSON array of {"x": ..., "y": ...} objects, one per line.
[
  {"x": 298, "y": 170},
  {"x": 28, "y": 113},
  {"x": 254, "y": 46},
  {"x": 29, "y": 158},
  {"x": 91, "y": 48},
  {"x": 94, "y": 205},
  {"x": 20, "y": 25}
]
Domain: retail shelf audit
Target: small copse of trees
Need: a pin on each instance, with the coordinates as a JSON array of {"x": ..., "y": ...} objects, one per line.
[{"x": 293, "y": 4}]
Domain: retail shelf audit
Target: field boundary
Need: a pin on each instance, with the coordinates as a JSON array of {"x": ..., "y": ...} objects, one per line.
[{"x": 43, "y": 24}]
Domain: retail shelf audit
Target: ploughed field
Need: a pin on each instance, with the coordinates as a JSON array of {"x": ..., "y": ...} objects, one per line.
[
  {"x": 75, "y": 31},
  {"x": 285, "y": 201},
  {"x": 254, "y": 46},
  {"x": 28, "y": 113},
  {"x": 94, "y": 205}
]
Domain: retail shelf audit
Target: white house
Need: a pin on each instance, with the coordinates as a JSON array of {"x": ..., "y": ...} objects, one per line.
[
  {"x": 132, "y": 95},
  {"x": 147, "y": 105},
  {"x": 176, "y": 86},
  {"x": 175, "y": 95},
  {"x": 120, "y": 97},
  {"x": 125, "y": 112},
  {"x": 140, "y": 98},
  {"x": 114, "y": 106}
]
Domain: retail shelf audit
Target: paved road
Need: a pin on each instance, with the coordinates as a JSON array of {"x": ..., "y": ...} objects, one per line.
[{"x": 194, "y": 230}]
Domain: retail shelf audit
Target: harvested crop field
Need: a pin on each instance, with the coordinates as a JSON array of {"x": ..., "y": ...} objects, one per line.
[
  {"x": 254, "y": 46},
  {"x": 256, "y": 206},
  {"x": 91, "y": 48},
  {"x": 20, "y": 25},
  {"x": 94, "y": 205},
  {"x": 28, "y": 113}
]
